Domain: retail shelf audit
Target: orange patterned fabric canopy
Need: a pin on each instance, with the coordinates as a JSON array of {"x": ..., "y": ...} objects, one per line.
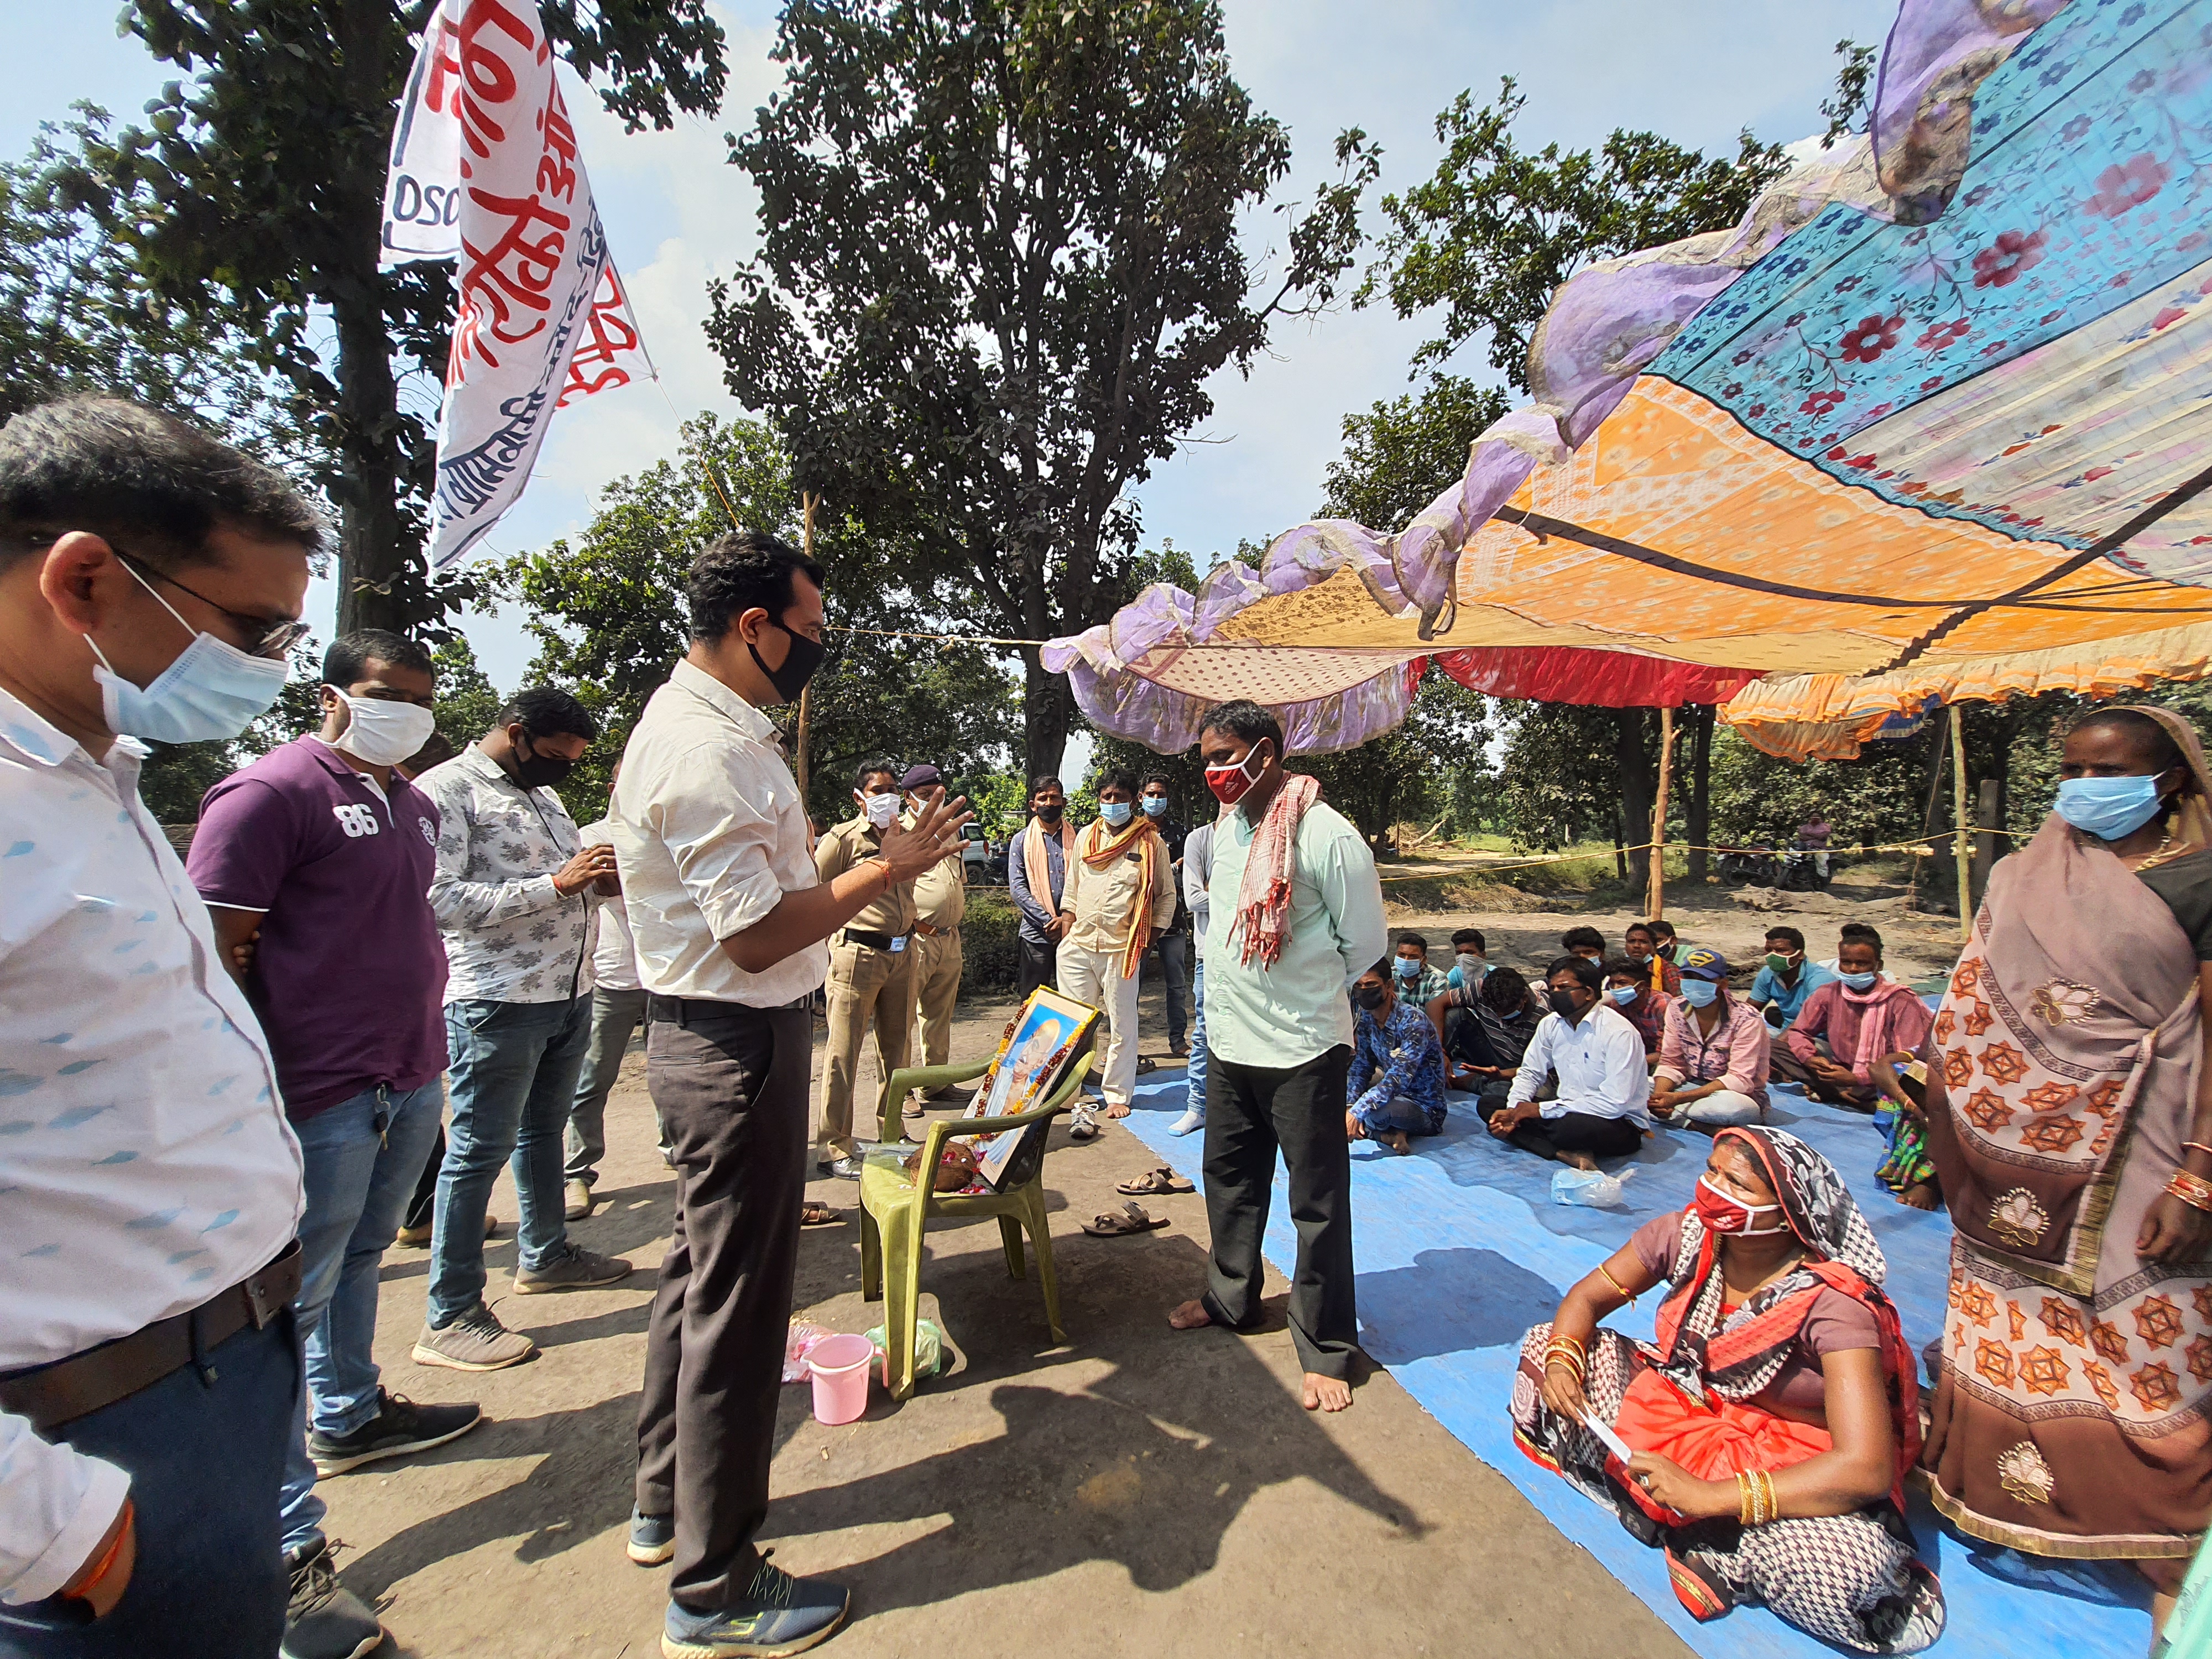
[{"x": 1896, "y": 440}]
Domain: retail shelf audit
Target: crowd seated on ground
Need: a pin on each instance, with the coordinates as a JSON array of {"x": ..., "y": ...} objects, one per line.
[
  {"x": 1641, "y": 946},
  {"x": 1628, "y": 987},
  {"x": 1416, "y": 982},
  {"x": 1778, "y": 1419},
  {"x": 1786, "y": 980},
  {"x": 1713, "y": 1056},
  {"x": 1396, "y": 1083},
  {"x": 1843, "y": 1028},
  {"x": 1484, "y": 1025},
  {"x": 1599, "y": 1106}
]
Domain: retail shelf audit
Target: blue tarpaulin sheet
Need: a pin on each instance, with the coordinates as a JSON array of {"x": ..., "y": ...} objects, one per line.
[{"x": 1460, "y": 1249}]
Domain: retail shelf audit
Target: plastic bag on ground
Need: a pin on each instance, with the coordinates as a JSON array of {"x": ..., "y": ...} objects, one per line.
[
  {"x": 1592, "y": 1187},
  {"x": 928, "y": 1350},
  {"x": 797, "y": 1344}
]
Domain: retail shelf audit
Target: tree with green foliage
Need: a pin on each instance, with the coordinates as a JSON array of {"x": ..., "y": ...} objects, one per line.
[
  {"x": 1403, "y": 453},
  {"x": 999, "y": 260},
  {"x": 1497, "y": 231},
  {"x": 467, "y": 700},
  {"x": 74, "y": 317},
  {"x": 249, "y": 207},
  {"x": 607, "y": 614}
]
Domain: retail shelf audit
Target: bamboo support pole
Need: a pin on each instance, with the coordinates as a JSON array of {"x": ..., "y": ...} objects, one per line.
[
  {"x": 1958, "y": 835},
  {"x": 1658, "y": 895}
]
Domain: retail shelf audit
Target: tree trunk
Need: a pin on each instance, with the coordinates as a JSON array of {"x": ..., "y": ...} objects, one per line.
[
  {"x": 371, "y": 555},
  {"x": 1698, "y": 801},
  {"x": 1637, "y": 786},
  {"x": 1045, "y": 708},
  {"x": 1620, "y": 858}
]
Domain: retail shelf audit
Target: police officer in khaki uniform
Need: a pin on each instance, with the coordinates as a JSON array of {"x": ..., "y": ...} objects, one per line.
[
  {"x": 941, "y": 900},
  {"x": 872, "y": 976}
]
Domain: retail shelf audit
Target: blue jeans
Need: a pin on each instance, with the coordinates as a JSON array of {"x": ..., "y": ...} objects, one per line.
[
  {"x": 205, "y": 1455},
  {"x": 513, "y": 1076},
  {"x": 1195, "y": 1069},
  {"x": 361, "y": 1158},
  {"x": 1399, "y": 1112}
]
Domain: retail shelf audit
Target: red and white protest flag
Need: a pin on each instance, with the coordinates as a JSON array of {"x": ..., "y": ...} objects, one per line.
[{"x": 484, "y": 172}]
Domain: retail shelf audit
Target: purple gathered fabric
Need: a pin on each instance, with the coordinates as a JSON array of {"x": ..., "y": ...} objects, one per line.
[{"x": 1604, "y": 326}]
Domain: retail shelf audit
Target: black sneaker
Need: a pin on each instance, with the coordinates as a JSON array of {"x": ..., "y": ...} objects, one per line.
[
  {"x": 779, "y": 1614},
  {"x": 399, "y": 1426},
  {"x": 324, "y": 1620}
]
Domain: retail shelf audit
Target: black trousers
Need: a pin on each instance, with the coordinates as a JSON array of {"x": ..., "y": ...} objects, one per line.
[
  {"x": 1172, "y": 950},
  {"x": 1040, "y": 965},
  {"x": 730, "y": 1086},
  {"x": 1251, "y": 1111},
  {"x": 1573, "y": 1132}
]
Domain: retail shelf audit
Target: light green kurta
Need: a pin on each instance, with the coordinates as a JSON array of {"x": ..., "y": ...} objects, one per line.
[{"x": 1285, "y": 1015}]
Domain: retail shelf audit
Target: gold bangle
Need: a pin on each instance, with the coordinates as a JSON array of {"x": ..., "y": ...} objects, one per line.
[
  {"x": 2194, "y": 1190},
  {"x": 1773, "y": 1503},
  {"x": 1618, "y": 1289}
]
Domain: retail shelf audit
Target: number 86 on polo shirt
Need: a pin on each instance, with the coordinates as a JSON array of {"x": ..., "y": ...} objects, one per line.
[{"x": 356, "y": 820}]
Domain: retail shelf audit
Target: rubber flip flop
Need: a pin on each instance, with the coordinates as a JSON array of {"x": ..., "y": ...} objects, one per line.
[
  {"x": 1147, "y": 1063},
  {"x": 1129, "y": 1218},
  {"x": 1162, "y": 1180}
]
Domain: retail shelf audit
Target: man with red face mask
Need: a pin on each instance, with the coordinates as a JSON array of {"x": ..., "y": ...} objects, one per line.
[{"x": 1295, "y": 916}]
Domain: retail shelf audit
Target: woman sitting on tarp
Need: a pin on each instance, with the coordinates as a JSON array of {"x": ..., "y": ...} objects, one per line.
[
  {"x": 1771, "y": 1424},
  {"x": 2069, "y": 1114}
]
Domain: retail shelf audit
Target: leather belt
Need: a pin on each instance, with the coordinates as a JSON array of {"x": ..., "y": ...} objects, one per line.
[
  {"x": 873, "y": 941},
  {"x": 697, "y": 1011},
  {"x": 52, "y": 1396}
]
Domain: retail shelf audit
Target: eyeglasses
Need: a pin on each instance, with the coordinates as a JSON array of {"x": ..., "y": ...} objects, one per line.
[{"x": 265, "y": 636}]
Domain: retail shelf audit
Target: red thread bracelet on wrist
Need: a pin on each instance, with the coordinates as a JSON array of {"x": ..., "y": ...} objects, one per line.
[{"x": 80, "y": 1587}]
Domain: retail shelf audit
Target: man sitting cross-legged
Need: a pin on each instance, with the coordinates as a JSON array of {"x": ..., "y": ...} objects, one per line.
[
  {"x": 1600, "y": 1111},
  {"x": 1486, "y": 1026},
  {"x": 1397, "y": 1078}
]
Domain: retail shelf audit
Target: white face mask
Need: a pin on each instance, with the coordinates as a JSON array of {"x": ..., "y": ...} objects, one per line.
[
  {"x": 881, "y": 809},
  {"x": 212, "y": 691},
  {"x": 1471, "y": 965},
  {"x": 380, "y": 732}
]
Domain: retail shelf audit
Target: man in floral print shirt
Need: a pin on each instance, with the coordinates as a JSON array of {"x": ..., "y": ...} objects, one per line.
[{"x": 513, "y": 893}]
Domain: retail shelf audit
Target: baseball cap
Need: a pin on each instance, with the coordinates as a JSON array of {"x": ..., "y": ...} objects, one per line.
[{"x": 1704, "y": 964}]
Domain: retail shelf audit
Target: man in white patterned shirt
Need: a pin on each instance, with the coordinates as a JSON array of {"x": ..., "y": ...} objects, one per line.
[
  {"x": 151, "y": 579},
  {"x": 513, "y": 894}
]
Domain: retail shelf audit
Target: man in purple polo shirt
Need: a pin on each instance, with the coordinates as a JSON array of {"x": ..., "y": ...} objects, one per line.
[{"x": 320, "y": 856}]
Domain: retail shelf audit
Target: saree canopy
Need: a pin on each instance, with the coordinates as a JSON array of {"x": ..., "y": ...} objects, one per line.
[{"x": 1930, "y": 425}]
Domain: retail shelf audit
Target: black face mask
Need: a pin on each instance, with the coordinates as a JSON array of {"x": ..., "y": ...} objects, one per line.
[
  {"x": 1050, "y": 814},
  {"x": 800, "y": 659},
  {"x": 1371, "y": 997},
  {"x": 1565, "y": 1006},
  {"x": 537, "y": 771}
]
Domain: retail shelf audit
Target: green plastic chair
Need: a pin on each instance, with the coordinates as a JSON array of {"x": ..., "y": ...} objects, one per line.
[{"x": 895, "y": 1207}]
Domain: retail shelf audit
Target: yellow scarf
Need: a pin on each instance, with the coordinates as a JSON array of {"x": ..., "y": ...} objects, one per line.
[{"x": 1101, "y": 850}]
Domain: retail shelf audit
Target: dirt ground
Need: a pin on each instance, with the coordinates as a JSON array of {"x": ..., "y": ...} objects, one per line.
[{"x": 1136, "y": 1491}]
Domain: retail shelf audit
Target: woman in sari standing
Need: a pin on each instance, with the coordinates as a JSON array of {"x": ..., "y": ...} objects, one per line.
[
  {"x": 1773, "y": 1420},
  {"x": 2069, "y": 1116}
]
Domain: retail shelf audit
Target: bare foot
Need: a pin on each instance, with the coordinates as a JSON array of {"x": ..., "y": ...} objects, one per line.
[
  {"x": 1396, "y": 1142},
  {"x": 1578, "y": 1160},
  {"x": 1922, "y": 1196},
  {"x": 1190, "y": 1317},
  {"x": 1325, "y": 1393},
  {"x": 1112, "y": 1110}
]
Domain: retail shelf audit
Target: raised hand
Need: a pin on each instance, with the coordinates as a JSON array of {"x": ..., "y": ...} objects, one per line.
[{"x": 908, "y": 854}]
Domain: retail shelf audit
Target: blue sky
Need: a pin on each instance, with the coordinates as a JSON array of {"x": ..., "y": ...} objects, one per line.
[{"x": 1696, "y": 71}]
